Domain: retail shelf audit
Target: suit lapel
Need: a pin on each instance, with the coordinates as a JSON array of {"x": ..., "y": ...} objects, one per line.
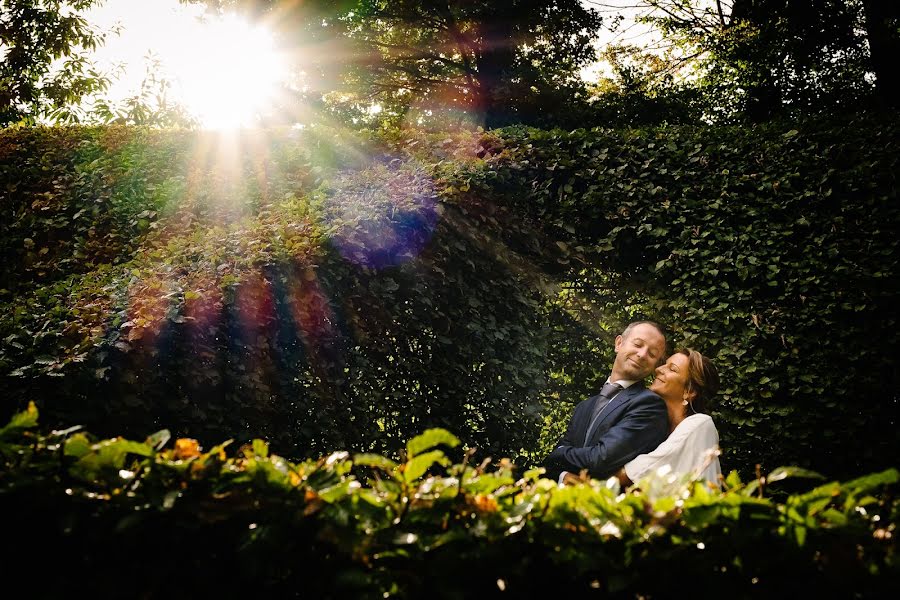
[{"x": 620, "y": 399}]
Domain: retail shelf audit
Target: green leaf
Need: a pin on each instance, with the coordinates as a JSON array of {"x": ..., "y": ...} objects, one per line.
[
  {"x": 699, "y": 517},
  {"x": 834, "y": 517},
  {"x": 800, "y": 535},
  {"x": 108, "y": 455},
  {"x": 429, "y": 439},
  {"x": 260, "y": 448},
  {"x": 785, "y": 472},
  {"x": 77, "y": 445},
  {"x": 887, "y": 477},
  {"x": 420, "y": 464},
  {"x": 19, "y": 421},
  {"x": 376, "y": 461},
  {"x": 336, "y": 492},
  {"x": 159, "y": 439},
  {"x": 733, "y": 480}
]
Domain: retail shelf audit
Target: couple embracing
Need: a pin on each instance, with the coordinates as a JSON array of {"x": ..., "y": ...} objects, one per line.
[{"x": 628, "y": 430}]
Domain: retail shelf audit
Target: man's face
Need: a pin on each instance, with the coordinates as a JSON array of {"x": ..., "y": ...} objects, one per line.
[{"x": 638, "y": 354}]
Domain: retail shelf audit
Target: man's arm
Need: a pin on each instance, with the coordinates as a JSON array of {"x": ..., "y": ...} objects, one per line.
[
  {"x": 554, "y": 470},
  {"x": 641, "y": 429}
]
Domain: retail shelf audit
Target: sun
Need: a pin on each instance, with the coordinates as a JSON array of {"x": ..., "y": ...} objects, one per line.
[{"x": 231, "y": 75}]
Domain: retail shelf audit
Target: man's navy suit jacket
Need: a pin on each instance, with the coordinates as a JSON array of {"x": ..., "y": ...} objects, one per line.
[{"x": 634, "y": 422}]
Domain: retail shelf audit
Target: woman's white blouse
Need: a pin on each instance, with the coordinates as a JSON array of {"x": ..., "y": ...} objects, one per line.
[{"x": 685, "y": 451}]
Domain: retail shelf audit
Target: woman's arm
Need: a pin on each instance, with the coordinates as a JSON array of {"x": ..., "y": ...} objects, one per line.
[{"x": 677, "y": 451}]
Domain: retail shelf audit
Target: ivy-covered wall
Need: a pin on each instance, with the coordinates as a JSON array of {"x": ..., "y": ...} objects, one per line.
[
  {"x": 772, "y": 249},
  {"x": 324, "y": 290},
  {"x": 304, "y": 289}
]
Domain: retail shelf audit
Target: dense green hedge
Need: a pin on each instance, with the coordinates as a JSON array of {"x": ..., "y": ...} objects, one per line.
[
  {"x": 299, "y": 290},
  {"x": 114, "y": 518},
  {"x": 774, "y": 249},
  {"x": 323, "y": 290}
]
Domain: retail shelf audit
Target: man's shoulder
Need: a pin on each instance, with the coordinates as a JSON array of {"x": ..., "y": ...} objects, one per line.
[
  {"x": 643, "y": 393},
  {"x": 646, "y": 400}
]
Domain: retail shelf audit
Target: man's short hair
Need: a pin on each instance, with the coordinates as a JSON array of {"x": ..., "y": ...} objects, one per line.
[{"x": 653, "y": 324}]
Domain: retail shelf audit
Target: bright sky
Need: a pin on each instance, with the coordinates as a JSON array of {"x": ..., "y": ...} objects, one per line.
[
  {"x": 163, "y": 26},
  {"x": 225, "y": 71},
  {"x": 627, "y": 31}
]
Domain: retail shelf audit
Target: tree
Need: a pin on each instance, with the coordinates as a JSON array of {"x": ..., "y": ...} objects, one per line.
[
  {"x": 883, "y": 31},
  {"x": 765, "y": 58},
  {"x": 45, "y": 70},
  {"x": 151, "y": 105},
  {"x": 642, "y": 90},
  {"x": 515, "y": 61},
  {"x": 760, "y": 59}
]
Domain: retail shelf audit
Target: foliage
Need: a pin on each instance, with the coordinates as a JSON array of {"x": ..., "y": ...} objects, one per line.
[
  {"x": 45, "y": 68},
  {"x": 765, "y": 59},
  {"x": 180, "y": 520},
  {"x": 327, "y": 291},
  {"x": 643, "y": 90},
  {"x": 770, "y": 249},
  {"x": 151, "y": 106},
  {"x": 270, "y": 293},
  {"x": 497, "y": 63}
]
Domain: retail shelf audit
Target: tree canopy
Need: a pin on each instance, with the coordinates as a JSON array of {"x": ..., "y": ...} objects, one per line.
[
  {"x": 510, "y": 62},
  {"x": 763, "y": 59},
  {"x": 495, "y": 64},
  {"x": 45, "y": 69}
]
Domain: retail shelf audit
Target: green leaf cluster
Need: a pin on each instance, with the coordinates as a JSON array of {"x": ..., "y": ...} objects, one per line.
[
  {"x": 46, "y": 68},
  {"x": 176, "y": 517}
]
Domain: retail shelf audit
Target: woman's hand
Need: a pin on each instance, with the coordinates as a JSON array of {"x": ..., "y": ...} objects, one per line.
[
  {"x": 623, "y": 478},
  {"x": 569, "y": 479}
]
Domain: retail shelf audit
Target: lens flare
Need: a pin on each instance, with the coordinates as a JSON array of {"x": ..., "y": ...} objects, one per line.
[{"x": 386, "y": 218}]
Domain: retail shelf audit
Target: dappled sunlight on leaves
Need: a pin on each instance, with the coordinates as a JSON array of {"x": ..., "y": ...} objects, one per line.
[
  {"x": 186, "y": 448},
  {"x": 383, "y": 216}
]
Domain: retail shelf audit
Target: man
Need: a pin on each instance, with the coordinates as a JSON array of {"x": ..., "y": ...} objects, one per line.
[{"x": 625, "y": 419}]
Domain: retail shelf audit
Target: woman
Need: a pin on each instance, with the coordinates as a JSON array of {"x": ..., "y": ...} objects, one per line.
[{"x": 687, "y": 383}]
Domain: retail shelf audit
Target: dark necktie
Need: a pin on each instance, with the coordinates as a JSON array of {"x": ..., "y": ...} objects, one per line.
[{"x": 606, "y": 394}]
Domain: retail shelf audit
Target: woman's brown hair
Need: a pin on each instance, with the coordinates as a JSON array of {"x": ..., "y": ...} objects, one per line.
[{"x": 703, "y": 380}]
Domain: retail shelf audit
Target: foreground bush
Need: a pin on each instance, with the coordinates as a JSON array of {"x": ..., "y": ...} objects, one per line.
[{"x": 120, "y": 518}]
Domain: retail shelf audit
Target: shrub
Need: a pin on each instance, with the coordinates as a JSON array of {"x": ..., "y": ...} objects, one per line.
[
  {"x": 317, "y": 301},
  {"x": 155, "y": 519}
]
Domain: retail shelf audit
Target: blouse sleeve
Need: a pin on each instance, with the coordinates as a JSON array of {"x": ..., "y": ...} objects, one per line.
[{"x": 682, "y": 450}]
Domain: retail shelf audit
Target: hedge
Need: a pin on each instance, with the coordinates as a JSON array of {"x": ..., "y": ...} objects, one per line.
[
  {"x": 154, "y": 519},
  {"x": 325, "y": 290},
  {"x": 773, "y": 249},
  {"x": 314, "y": 298}
]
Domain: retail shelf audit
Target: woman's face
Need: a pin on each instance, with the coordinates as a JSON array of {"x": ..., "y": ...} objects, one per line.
[{"x": 672, "y": 378}]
